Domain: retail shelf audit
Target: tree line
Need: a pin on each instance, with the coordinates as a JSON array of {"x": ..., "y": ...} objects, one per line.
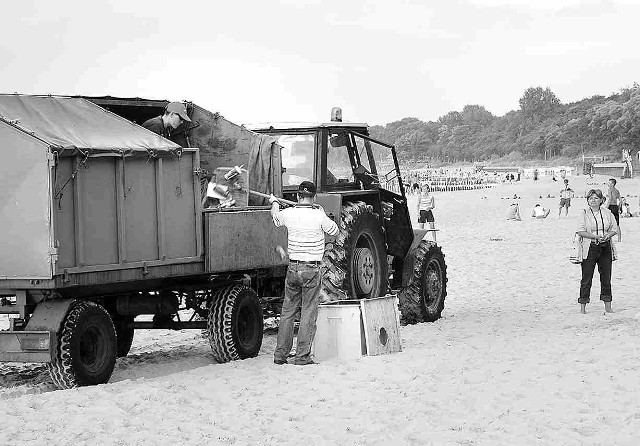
[{"x": 543, "y": 128}]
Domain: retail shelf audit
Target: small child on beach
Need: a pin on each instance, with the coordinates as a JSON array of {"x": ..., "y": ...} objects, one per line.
[{"x": 625, "y": 209}]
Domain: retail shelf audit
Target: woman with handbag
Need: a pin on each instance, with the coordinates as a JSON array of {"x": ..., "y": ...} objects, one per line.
[{"x": 597, "y": 226}]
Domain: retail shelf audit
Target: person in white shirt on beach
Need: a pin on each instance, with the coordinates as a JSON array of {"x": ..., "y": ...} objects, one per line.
[
  {"x": 566, "y": 195},
  {"x": 426, "y": 204},
  {"x": 306, "y": 224},
  {"x": 540, "y": 212}
]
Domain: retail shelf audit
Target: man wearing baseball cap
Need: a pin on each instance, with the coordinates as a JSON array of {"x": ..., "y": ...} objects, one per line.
[
  {"x": 174, "y": 114},
  {"x": 306, "y": 224}
]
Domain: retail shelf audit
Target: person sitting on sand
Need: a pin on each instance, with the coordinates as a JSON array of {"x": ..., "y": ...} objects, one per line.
[
  {"x": 540, "y": 212},
  {"x": 625, "y": 209},
  {"x": 514, "y": 212}
]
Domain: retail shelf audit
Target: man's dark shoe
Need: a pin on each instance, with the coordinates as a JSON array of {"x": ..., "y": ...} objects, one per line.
[
  {"x": 280, "y": 361},
  {"x": 307, "y": 362}
]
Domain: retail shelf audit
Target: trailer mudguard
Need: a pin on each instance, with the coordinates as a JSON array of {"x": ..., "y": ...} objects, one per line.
[
  {"x": 48, "y": 315},
  {"x": 37, "y": 341}
]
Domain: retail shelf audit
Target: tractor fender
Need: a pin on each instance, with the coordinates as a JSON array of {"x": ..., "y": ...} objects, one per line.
[
  {"x": 48, "y": 315},
  {"x": 407, "y": 269}
]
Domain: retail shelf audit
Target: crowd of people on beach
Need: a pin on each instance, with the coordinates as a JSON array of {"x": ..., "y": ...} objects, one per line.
[{"x": 597, "y": 225}]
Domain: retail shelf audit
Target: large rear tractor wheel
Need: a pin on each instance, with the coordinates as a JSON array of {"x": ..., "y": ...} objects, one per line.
[
  {"x": 85, "y": 352},
  {"x": 423, "y": 299},
  {"x": 235, "y": 323},
  {"x": 355, "y": 263}
]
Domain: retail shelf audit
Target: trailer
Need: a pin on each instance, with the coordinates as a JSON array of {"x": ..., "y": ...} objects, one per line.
[{"x": 101, "y": 221}]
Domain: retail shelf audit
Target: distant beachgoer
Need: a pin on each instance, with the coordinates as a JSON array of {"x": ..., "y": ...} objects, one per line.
[
  {"x": 535, "y": 175},
  {"x": 514, "y": 212},
  {"x": 566, "y": 195},
  {"x": 426, "y": 204},
  {"x": 597, "y": 225},
  {"x": 625, "y": 209},
  {"x": 613, "y": 200},
  {"x": 540, "y": 212},
  {"x": 518, "y": 177}
]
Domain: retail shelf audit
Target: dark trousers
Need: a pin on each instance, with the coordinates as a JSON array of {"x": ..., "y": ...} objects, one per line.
[
  {"x": 301, "y": 292},
  {"x": 598, "y": 255},
  {"x": 616, "y": 212}
]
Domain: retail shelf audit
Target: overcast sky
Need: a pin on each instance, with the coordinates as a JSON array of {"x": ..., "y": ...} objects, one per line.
[{"x": 257, "y": 61}]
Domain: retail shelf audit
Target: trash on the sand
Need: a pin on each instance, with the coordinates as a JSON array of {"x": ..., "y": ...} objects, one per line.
[
  {"x": 271, "y": 323},
  {"x": 496, "y": 239}
]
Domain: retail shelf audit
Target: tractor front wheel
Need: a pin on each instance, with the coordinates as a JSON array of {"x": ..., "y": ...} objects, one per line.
[{"x": 423, "y": 299}]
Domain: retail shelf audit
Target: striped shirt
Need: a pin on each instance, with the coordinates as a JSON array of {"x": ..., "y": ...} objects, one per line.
[
  {"x": 426, "y": 201},
  {"x": 306, "y": 225},
  {"x": 566, "y": 193}
]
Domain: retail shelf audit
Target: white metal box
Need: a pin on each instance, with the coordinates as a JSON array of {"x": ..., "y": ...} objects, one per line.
[{"x": 348, "y": 329}]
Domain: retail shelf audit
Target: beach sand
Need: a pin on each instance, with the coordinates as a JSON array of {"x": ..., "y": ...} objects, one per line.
[{"x": 511, "y": 361}]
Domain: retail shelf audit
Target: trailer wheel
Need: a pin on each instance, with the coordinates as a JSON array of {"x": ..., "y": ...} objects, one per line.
[
  {"x": 85, "y": 352},
  {"x": 124, "y": 334},
  {"x": 235, "y": 324},
  {"x": 423, "y": 299},
  {"x": 355, "y": 263}
]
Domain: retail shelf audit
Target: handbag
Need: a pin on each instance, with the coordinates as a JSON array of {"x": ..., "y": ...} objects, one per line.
[{"x": 578, "y": 251}]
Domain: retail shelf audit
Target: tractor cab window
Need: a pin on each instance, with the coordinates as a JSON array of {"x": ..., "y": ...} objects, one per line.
[
  {"x": 375, "y": 163},
  {"x": 339, "y": 170},
  {"x": 298, "y": 158}
]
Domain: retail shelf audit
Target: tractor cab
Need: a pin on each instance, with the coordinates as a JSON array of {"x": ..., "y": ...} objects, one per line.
[{"x": 337, "y": 156}]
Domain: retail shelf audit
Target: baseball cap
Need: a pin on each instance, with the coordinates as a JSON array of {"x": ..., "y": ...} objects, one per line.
[
  {"x": 179, "y": 108},
  {"x": 307, "y": 188}
]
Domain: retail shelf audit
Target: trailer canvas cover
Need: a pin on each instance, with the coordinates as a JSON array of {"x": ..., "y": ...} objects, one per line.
[{"x": 32, "y": 129}]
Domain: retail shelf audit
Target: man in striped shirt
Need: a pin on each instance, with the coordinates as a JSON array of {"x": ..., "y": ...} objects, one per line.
[{"x": 306, "y": 224}]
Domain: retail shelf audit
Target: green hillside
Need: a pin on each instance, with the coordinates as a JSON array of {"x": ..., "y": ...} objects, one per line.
[{"x": 543, "y": 129}]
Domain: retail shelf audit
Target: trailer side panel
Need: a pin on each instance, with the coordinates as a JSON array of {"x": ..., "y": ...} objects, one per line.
[{"x": 25, "y": 240}]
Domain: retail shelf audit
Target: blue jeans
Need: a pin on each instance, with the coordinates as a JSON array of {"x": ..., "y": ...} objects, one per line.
[
  {"x": 301, "y": 292},
  {"x": 598, "y": 255}
]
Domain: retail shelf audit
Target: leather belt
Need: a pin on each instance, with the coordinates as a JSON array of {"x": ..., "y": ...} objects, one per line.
[{"x": 306, "y": 262}]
